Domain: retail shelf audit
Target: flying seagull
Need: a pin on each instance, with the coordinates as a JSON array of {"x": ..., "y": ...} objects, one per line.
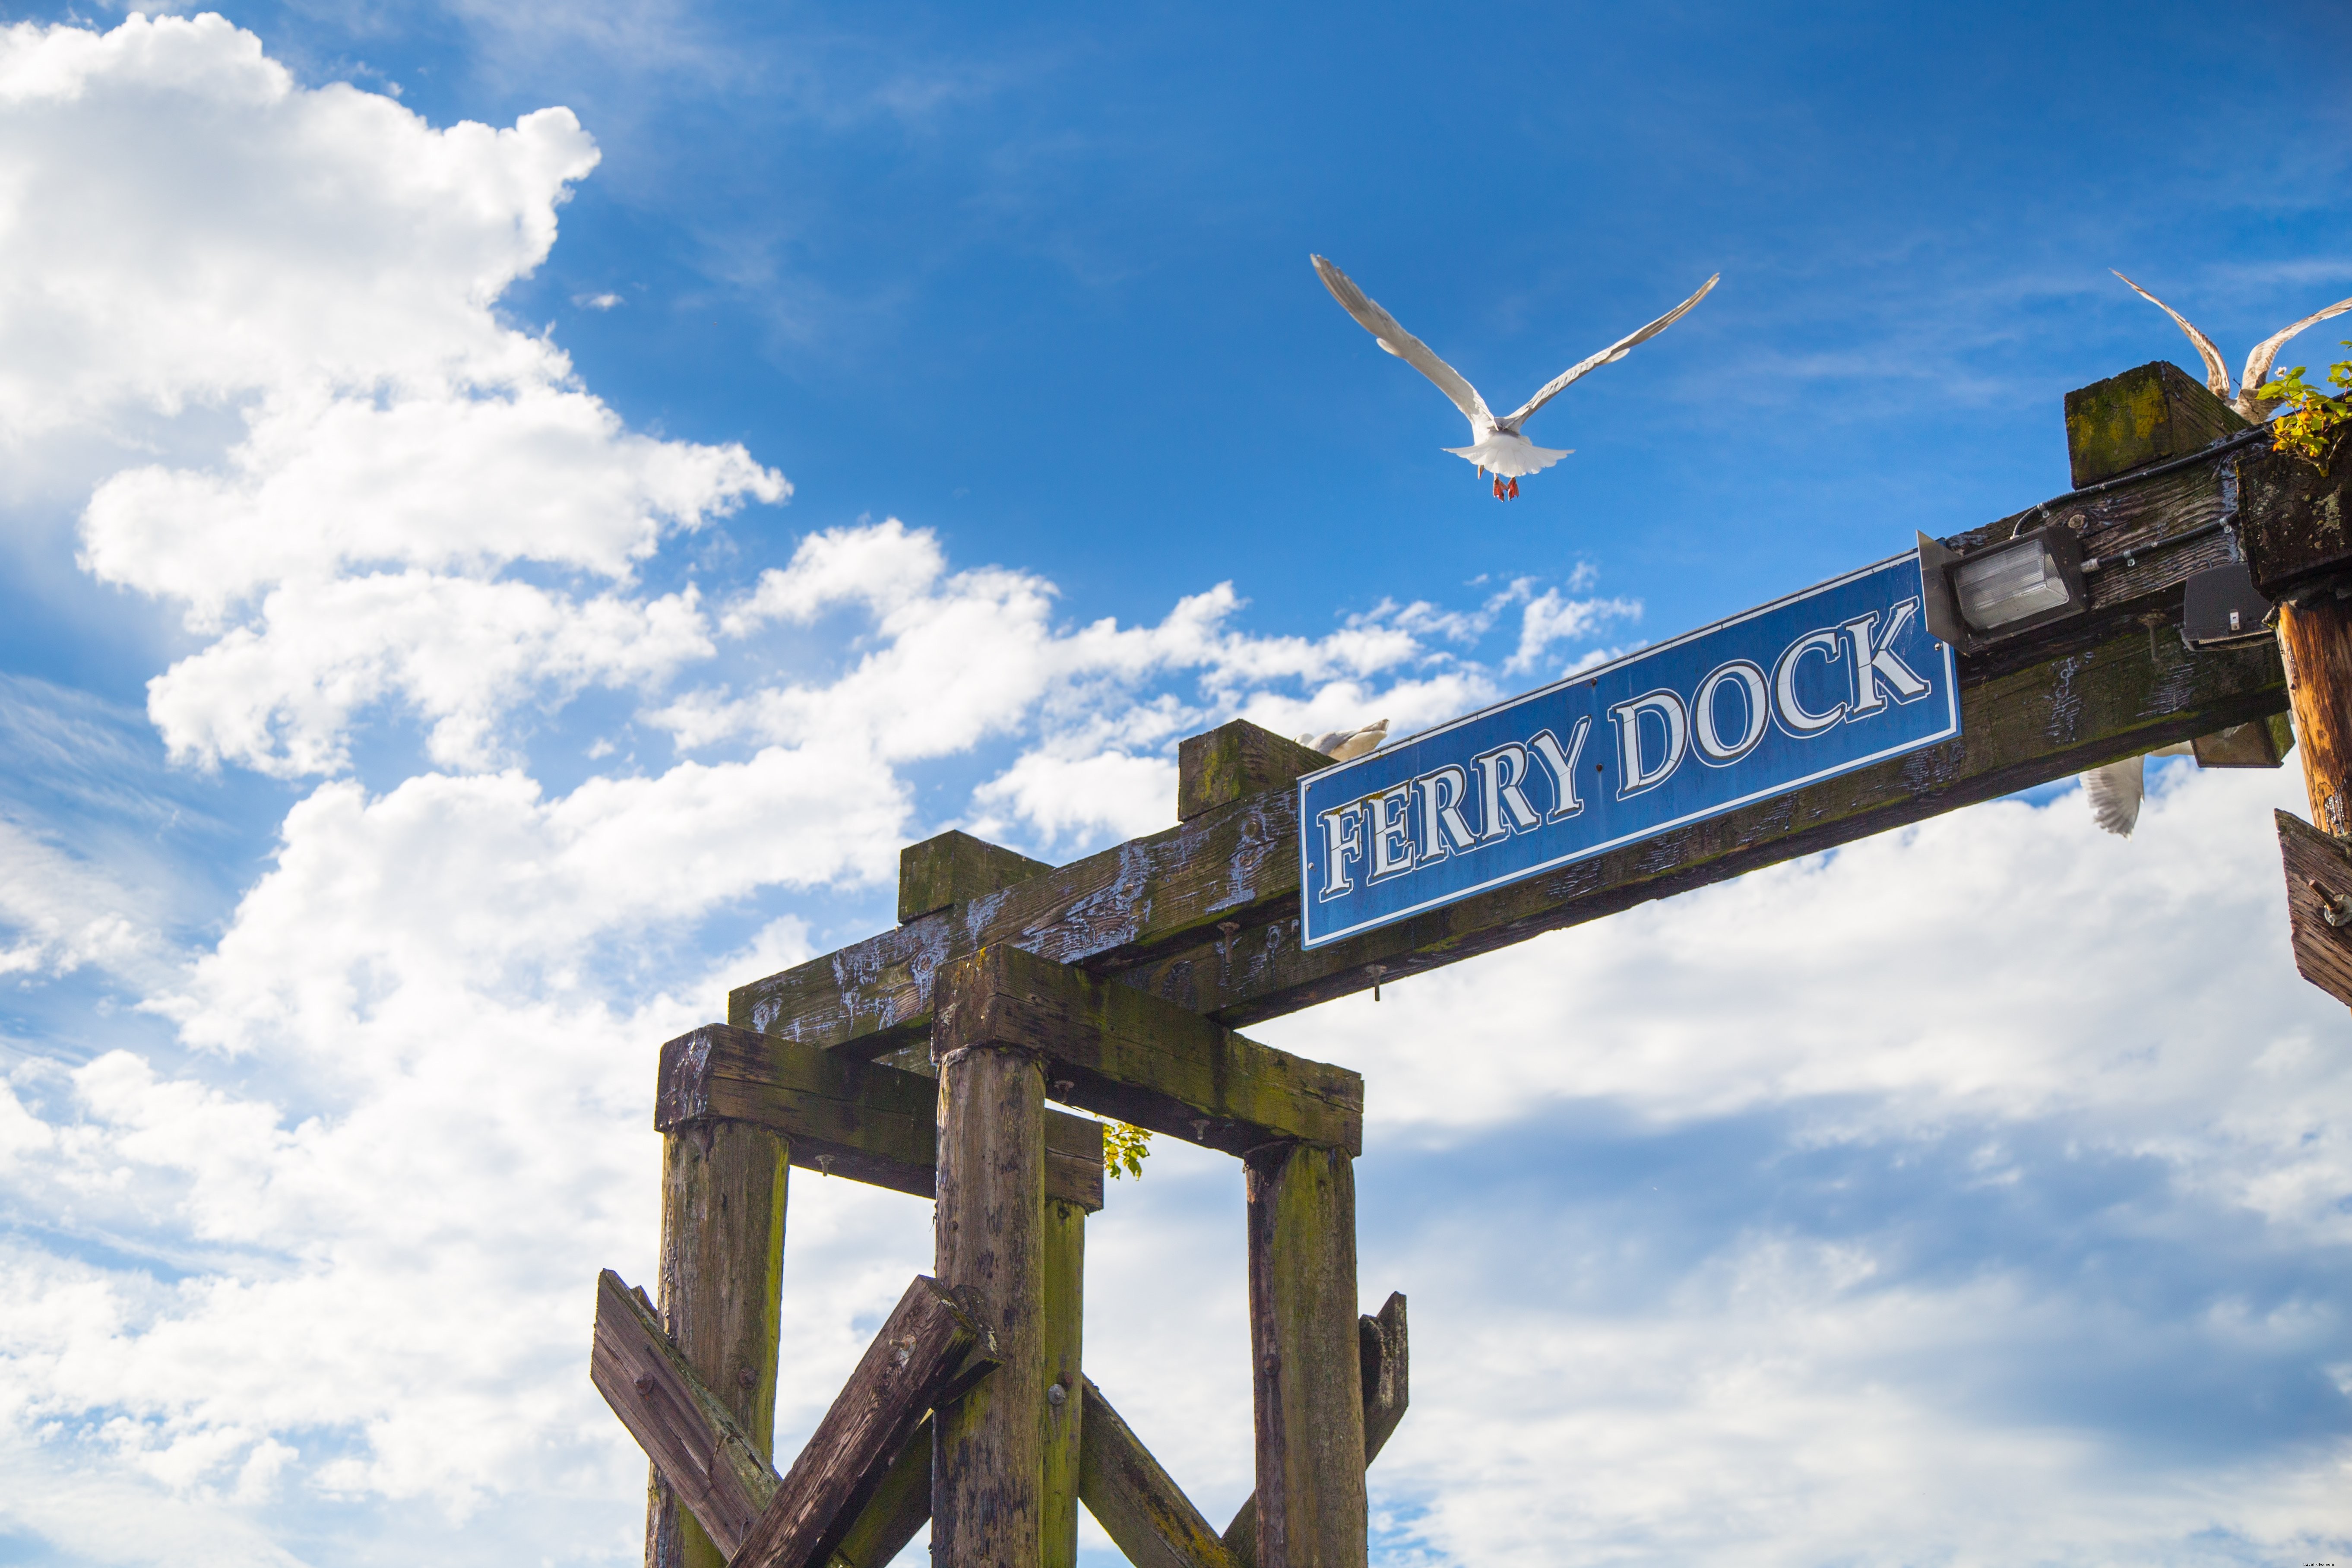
[
  {"x": 1347, "y": 745},
  {"x": 2114, "y": 792},
  {"x": 2248, "y": 401},
  {"x": 1497, "y": 446}
]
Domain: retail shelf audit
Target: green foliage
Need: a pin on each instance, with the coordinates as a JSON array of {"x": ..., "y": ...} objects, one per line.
[
  {"x": 1126, "y": 1145},
  {"x": 2313, "y": 423}
]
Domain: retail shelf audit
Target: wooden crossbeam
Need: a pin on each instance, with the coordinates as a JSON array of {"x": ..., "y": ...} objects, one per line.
[
  {"x": 861, "y": 1487},
  {"x": 865, "y": 1120},
  {"x": 1117, "y": 1052}
]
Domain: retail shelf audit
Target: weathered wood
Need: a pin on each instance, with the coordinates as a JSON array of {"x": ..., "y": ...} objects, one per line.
[
  {"x": 1065, "y": 1253},
  {"x": 2142, "y": 416},
  {"x": 2315, "y": 640},
  {"x": 1306, "y": 1360},
  {"x": 1150, "y": 913},
  {"x": 900, "y": 1508},
  {"x": 1145, "y": 1513},
  {"x": 988, "y": 1464},
  {"x": 955, "y": 866},
  {"x": 722, "y": 1265},
  {"x": 2293, "y": 522},
  {"x": 1119, "y": 1052},
  {"x": 707, "y": 1459},
  {"x": 842, "y": 1117},
  {"x": 927, "y": 1345},
  {"x": 2319, "y": 881},
  {"x": 2256, "y": 743},
  {"x": 1237, "y": 759},
  {"x": 1388, "y": 1389}
]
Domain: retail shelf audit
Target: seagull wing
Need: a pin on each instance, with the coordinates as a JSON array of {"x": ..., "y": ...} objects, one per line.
[
  {"x": 2217, "y": 374},
  {"x": 2114, "y": 793},
  {"x": 1404, "y": 344},
  {"x": 1609, "y": 355},
  {"x": 2265, "y": 355}
]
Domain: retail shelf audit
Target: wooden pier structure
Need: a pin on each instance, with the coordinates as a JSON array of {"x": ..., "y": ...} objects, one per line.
[{"x": 930, "y": 1058}]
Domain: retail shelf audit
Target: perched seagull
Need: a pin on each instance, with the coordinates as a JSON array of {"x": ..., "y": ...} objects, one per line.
[
  {"x": 1347, "y": 745},
  {"x": 2116, "y": 790},
  {"x": 1497, "y": 444},
  {"x": 2248, "y": 401}
]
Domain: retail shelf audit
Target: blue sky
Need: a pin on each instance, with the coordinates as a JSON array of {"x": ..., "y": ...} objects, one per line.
[{"x": 471, "y": 598}]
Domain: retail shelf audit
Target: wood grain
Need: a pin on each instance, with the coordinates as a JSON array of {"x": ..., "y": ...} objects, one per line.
[
  {"x": 1139, "y": 1506},
  {"x": 1065, "y": 1255},
  {"x": 1306, "y": 1378},
  {"x": 708, "y": 1462},
  {"x": 842, "y": 1117},
  {"x": 954, "y": 866},
  {"x": 2318, "y": 869},
  {"x": 1237, "y": 759},
  {"x": 898, "y": 1509},
  {"x": 1117, "y": 1052},
  {"x": 926, "y": 1345},
  {"x": 2315, "y": 641}
]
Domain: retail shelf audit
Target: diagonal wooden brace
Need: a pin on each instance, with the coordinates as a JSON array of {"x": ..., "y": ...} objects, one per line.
[
  {"x": 1118, "y": 1051},
  {"x": 927, "y": 1352}
]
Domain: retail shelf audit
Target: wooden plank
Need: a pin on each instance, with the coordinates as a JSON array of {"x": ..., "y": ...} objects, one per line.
[
  {"x": 1114, "y": 1050},
  {"x": 900, "y": 1508},
  {"x": 988, "y": 1467},
  {"x": 1150, "y": 912},
  {"x": 1306, "y": 1359},
  {"x": 2318, "y": 875},
  {"x": 2315, "y": 640},
  {"x": 1388, "y": 1387},
  {"x": 955, "y": 866},
  {"x": 2293, "y": 522},
  {"x": 2144, "y": 415},
  {"x": 1145, "y": 1513},
  {"x": 706, "y": 1458},
  {"x": 1237, "y": 759},
  {"x": 863, "y": 1120},
  {"x": 927, "y": 1345},
  {"x": 723, "y": 1267},
  {"x": 1064, "y": 1252}
]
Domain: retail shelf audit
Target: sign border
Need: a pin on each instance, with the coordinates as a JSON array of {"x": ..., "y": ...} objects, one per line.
[{"x": 1323, "y": 776}]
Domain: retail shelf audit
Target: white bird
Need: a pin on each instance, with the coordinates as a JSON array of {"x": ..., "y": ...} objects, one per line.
[
  {"x": 1497, "y": 445},
  {"x": 2116, "y": 790},
  {"x": 1347, "y": 745},
  {"x": 2247, "y": 400}
]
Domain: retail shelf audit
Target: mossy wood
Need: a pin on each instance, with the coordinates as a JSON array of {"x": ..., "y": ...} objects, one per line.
[
  {"x": 2293, "y": 523},
  {"x": 722, "y": 1267},
  {"x": 2318, "y": 876},
  {"x": 863, "y": 1120},
  {"x": 955, "y": 866},
  {"x": 2144, "y": 415},
  {"x": 709, "y": 1462},
  {"x": 1139, "y": 1506},
  {"x": 897, "y": 1512},
  {"x": 1305, "y": 1357},
  {"x": 1064, "y": 1256},
  {"x": 988, "y": 1465},
  {"x": 1235, "y": 761},
  {"x": 1386, "y": 1360},
  {"x": 1117, "y": 1052},
  {"x": 2257, "y": 743},
  {"x": 927, "y": 1346}
]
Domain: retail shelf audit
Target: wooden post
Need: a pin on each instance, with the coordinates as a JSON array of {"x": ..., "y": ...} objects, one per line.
[
  {"x": 723, "y": 1267},
  {"x": 1065, "y": 1255},
  {"x": 1306, "y": 1372},
  {"x": 988, "y": 1458},
  {"x": 2315, "y": 641}
]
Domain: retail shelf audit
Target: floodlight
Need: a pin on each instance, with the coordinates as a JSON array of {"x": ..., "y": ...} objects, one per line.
[{"x": 2003, "y": 589}]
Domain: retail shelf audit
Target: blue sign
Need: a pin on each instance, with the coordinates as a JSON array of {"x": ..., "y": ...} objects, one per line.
[{"x": 1819, "y": 683}]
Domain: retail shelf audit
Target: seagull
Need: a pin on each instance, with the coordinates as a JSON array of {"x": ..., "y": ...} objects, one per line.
[
  {"x": 2116, "y": 790},
  {"x": 1347, "y": 745},
  {"x": 1497, "y": 446},
  {"x": 2249, "y": 403}
]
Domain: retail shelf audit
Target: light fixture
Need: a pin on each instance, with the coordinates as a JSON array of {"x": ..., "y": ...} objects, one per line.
[
  {"x": 2003, "y": 589},
  {"x": 2221, "y": 607}
]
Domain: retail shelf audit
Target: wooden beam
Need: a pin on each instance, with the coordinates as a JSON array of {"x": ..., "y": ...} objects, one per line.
[
  {"x": 1388, "y": 1388},
  {"x": 1234, "y": 760},
  {"x": 842, "y": 1117},
  {"x": 954, "y": 869},
  {"x": 1114, "y": 1050},
  {"x": 987, "y": 1470},
  {"x": 1305, "y": 1358},
  {"x": 2318, "y": 884},
  {"x": 708, "y": 1461},
  {"x": 723, "y": 1266},
  {"x": 1145, "y": 1513},
  {"x": 1065, "y": 1254},
  {"x": 926, "y": 1346},
  {"x": 2142, "y": 416},
  {"x": 900, "y": 1508},
  {"x": 1153, "y": 913}
]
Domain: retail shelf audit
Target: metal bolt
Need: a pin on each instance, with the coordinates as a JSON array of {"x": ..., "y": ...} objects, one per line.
[
  {"x": 643, "y": 1383},
  {"x": 745, "y": 1378},
  {"x": 1056, "y": 1395}
]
